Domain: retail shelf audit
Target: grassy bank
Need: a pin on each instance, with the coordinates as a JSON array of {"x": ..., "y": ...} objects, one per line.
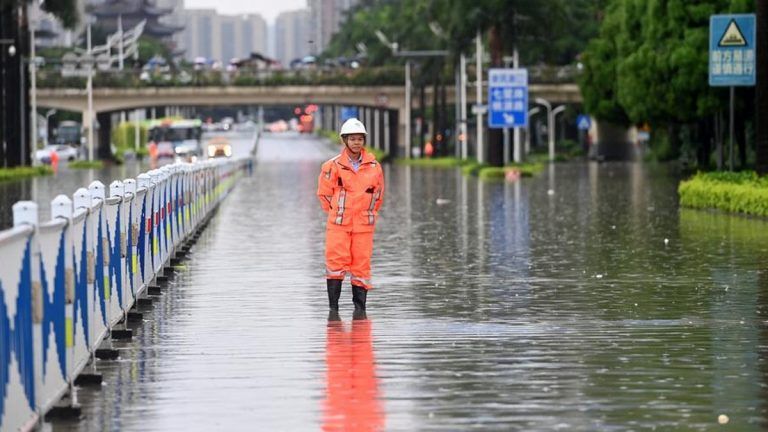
[
  {"x": 84, "y": 164},
  {"x": 742, "y": 192},
  {"x": 438, "y": 162},
  {"x": 7, "y": 174},
  {"x": 473, "y": 168}
]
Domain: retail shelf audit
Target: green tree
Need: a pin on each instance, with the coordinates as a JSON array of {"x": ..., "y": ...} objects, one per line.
[
  {"x": 65, "y": 10},
  {"x": 649, "y": 65}
]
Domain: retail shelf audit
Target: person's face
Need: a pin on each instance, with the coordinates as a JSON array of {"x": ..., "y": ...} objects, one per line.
[{"x": 355, "y": 142}]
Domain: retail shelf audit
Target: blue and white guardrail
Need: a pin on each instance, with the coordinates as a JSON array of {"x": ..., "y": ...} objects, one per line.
[{"x": 66, "y": 282}]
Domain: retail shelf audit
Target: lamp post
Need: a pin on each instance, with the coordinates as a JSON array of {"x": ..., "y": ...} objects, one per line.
[
  {"x": 479, "y": 95},
  {"x": 551, "y": 113},
  {"x": 32, "y": 85},
  {"x": 89, "y": 88},
  {"x": 408, "y": 54},
  {"x": 127, "y": 42}
]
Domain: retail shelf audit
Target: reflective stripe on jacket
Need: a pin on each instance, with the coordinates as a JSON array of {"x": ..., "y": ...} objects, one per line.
[{"x": 351, "y": 199}]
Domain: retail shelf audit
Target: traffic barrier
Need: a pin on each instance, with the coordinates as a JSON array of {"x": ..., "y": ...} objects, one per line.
[{"x": 67, "y": 283}]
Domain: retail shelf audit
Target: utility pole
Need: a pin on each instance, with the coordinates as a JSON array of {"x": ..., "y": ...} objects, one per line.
[{"x": 761, "y": 90}]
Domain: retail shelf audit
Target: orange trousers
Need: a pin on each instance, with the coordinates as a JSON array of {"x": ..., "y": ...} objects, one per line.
[{"x": 349, "y": 252}]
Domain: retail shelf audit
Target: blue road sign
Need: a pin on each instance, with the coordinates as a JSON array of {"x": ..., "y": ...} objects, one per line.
[
  {"x": 583, "y": 122},
  {"x": 348, "y": 112},
  {"x": 507, "y": 98},
  {"x": 732, "y": 50}
]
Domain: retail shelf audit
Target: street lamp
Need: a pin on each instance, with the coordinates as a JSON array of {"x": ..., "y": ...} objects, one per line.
[{"x": 551, "y": 113}]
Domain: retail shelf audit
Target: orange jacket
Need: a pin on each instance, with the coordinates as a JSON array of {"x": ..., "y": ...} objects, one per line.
[{"x": 351, "y": 199}]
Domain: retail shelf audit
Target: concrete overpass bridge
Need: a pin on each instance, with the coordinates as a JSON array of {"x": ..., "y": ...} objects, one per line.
[{"x": 382, "y": 108}]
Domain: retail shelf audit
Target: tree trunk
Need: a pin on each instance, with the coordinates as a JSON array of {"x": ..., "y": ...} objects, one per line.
[
  {"x": 14, "y": 82},
  {"x": 705, "y": 137},
  {"x": 104, "y": 151},
  {"x": 495, "y": 136},
  {"x": 740, "y": 135},
  {"x": 443, "y": 122},
  {"x": 422, "y": 115},
  {"x": 761, "y": 90},
  {"x": 435, "y": 113}
]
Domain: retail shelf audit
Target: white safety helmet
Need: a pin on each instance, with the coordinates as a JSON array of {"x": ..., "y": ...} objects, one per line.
[{"x": 353, "y": 126}]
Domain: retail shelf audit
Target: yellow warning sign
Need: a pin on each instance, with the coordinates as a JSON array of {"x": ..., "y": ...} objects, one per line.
[{"x": 733, "y": 37}]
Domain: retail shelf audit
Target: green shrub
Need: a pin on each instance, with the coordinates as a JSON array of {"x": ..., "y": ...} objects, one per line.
[
  {"x": 528, "y": 169},
  {"x": 17, "y": 173},
  {"x": 492, "y": 173},
  {"x": 328, "y": 134},
  {"x": 123, "y": 137},
  {"x": 499, "y": 173},
  {"x": 472, "y": 168},
  {"x": 439, "y": 162},
  {"x": 380, "y": 155},
  {"x": 742, "y": 192},
  {"x": 84, "y": 164}
]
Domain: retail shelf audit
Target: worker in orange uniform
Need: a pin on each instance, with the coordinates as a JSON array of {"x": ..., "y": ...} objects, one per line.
[
  {"x": 351, "y": 189},
  {"x": 54, "y": 161}
]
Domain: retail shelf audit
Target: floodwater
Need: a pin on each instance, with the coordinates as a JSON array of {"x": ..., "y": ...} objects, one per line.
[{"x": 582, "y": 299}]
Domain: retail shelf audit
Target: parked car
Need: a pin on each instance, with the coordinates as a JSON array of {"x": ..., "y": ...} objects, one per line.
[{"x": 65, "y": 153}]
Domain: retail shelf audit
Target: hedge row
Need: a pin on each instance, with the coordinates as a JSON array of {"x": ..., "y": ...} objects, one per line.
[
  {"x": 24, "y": 172},
  {"x": 742, "y": 192}
]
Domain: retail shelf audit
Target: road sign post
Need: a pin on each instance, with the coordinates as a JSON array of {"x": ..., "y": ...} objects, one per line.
[
  {"x": 732, "y": 56},
  {"x": 508, "y": 99}
]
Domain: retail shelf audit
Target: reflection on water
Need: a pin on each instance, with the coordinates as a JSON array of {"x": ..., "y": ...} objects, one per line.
[{"x": 352, "y": 389}]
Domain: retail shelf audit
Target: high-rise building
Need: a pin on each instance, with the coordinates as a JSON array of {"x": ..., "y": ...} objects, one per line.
[
  {"x": 201, "y": 36},
  {"x": 292, "y": 36},
  {"x": 327, "y": 17},
  {"x": 222, "y": 37},
  {"x": 252, "y": 35}
]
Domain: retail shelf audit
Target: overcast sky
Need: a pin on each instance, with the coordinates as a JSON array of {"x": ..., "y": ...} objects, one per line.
[{"x": 269, "y": 9}]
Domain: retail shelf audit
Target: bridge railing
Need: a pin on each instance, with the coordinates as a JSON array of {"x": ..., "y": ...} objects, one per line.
[
  {"x": 188, "y": 77},
  {"x": 65, "y": 283}
]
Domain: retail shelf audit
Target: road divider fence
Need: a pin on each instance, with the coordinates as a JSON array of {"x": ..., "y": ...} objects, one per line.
[{"x": 68, "y": 284}]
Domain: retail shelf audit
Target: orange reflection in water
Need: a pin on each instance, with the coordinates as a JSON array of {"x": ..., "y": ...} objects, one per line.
[{"x": 352, "y": 389}]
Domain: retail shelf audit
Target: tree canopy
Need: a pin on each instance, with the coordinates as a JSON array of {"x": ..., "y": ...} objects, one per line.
[
  {"x": 65, "y": 10},
  {"x": 649, "y": 62}
]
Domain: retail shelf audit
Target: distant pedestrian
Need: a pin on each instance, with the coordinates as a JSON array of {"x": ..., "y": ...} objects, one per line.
[
  {"x": 54, "y": 161},
  {"x": 351, "y": 190},
  {"x": 152, "y": 151}
]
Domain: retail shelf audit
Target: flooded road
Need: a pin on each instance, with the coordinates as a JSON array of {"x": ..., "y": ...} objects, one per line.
[{"x": 582, "y": 299}]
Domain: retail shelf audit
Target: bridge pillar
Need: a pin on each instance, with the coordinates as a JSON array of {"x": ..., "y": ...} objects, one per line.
[
  {"x": 104, "y": 120},
  {"x": 368, "y": 120},
  {"x": 387, "y": 132},
  {"x": 376, "y": 141}
]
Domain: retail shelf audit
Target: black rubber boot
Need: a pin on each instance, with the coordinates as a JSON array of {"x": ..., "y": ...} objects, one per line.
[
  {"x": 358, "y": 297},
  {"x": 334, "y": 292}
]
